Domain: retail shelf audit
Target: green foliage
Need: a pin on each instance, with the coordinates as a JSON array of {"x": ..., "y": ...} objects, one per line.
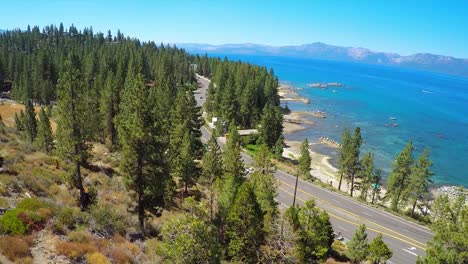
[
  {"x": 189, "y": 240},
  {"x": 450, "y": 224},
  {"x": 11, "y": 224},
  {"x": 30, "y": 122},
  {"x": 348, "y": 161},
  {"x": 305, "y": 160},
  {"x": 19, "y": 125},
  {"x": 278, "y": 149},
  {"x": 185, "y": 144},
  {"x": 44, "y": 132},
  {"x": 343, "y": 158},
  {"x": 233, "y": 164},
  {"x": 143, "y": 159},
  {"x": 367, "y": 174},
  {"x": 239, "y": 92},
  {"x": 379, "y": 251},
  {"x": 244, "y": 224},
  {"x": 314, "y": 233},
  {"x": 212, "y": 168},
  {"x": 31, "y": 204},
  {"x": 70, "y": 218},
  {"x": 263, "y": 183},
  {"x": 358, "y": 246},
  {"x": 271, "y": 126},
  {"x": 73, "y": 133},
  {"x": 419, "y": 180},
  {"x": 107, "y": 221},
  {"x": 398, "y": 179}
]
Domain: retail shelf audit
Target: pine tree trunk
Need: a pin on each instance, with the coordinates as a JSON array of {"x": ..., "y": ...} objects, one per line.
[
  {"x": 352, "y": 184},
  {"x": 79, "y": 183},
  {"x": 414, "y": 207},
  {"x": 341, "y": 179},
  {"x": 211, "y": 202},
  {"x": 373, "y": 196},
  {"x": 141, "y": 209}
]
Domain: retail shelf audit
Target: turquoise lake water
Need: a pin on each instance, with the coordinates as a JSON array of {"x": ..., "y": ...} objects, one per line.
[{"x": 431, "y": 109}]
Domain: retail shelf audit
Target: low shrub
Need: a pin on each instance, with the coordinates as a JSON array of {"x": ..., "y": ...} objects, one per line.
[
  {"x": 80, "y": 236},
  {"x": 4, "y": 202},
  {"x": 70, "y": 218},
  {"x": 15, "y": 248},
  {"x": 10, "y": 223},
  {"x": 97, "y": 258},
  {"x": 120, "y": 256},
  {"x": 31, "y": 204},
  {"x": 107, "y": 221},
  {"x": 54, "y": 189},
  {"x": 75, "y": 250}
]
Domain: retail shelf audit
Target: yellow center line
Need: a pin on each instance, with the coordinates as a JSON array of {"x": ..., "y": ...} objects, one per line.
[
  {"x": 348, "y": 212},
  {"x": 357, "y": 224}
]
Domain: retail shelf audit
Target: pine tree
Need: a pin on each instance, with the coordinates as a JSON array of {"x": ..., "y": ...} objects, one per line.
[
  {"x": 358, "y": 246},
  {"x": 305, "y": 160},
  {"x": 450, "y": 225},
  {"x": 212, "y": 168},
  {"x": 419, "y": 180},
  {"x": 244, "y": 226},
  {"x": 376, "y": 185},
  {"x": 345, "y": 152},
  {"x": 44, "y": 132},
  {"x": 399, "y": 177},
  {"x": 233, "y": 172},
  {"x": 30, "y": 122},
  {"x": 72, "y": 136},
  {"x": 264, "y": 185},
  {"x": 109, "y": 108},
  {"x": 143, "y": 157},
  {"x": 19, "y": 124},
  {"x": 354, "y": 164},
  {"x": 189, "y": 240},
  {"x": 188, "y": 168},
  {"x": 367, "y": 174},
  {"x": 314, "y": 232},
  {"x": 185, "y": 144},
  {"x": 271, "y": 125},
  {"x": 379, "y": 252},
  {"x": 232, "y": 156},
  {"x": 278, "y": 149}
]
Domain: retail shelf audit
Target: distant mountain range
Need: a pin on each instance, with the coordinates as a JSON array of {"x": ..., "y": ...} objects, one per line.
[
  {"x": 318, "y": 50},
  {"x": 2, "y": 30}
]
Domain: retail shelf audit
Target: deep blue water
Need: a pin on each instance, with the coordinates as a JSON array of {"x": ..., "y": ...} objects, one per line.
[{"x": 431, "y": 109}]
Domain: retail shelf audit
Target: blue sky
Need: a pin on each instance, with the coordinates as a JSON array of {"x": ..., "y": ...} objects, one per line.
[{"x": 404, "y": 27}]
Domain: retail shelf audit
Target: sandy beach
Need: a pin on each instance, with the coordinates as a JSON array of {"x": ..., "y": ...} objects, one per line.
[
  {"x": 288, "y": 93},
  {"x": 296, "y": 121}
]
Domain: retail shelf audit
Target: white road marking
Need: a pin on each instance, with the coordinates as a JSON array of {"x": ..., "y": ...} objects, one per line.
[
  {"x": 335, "y": 200},
  {"x": 340, "y": 227},
  {"x": 412, "y": 253}
]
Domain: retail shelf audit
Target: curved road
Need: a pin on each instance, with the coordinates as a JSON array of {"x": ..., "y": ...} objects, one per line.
[{"x": 406, "y": 239}]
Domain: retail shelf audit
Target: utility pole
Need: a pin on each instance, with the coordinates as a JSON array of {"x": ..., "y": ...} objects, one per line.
[{"x": 295, "y": 189}]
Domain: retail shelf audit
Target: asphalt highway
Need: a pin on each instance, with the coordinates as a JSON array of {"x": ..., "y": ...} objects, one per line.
[{"x": 406, "y": 239}]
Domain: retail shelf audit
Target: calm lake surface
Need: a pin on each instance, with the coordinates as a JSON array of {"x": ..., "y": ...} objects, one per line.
[{"x": 430, "y": 109}]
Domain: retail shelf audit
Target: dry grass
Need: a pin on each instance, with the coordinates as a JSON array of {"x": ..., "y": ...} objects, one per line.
[
  {"x": 8, "y": 110},
  {"x": 16, "y": 247},
  {"x": 76, "y": 250}
]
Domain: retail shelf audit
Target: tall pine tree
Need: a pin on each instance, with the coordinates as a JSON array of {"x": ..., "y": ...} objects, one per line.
[
  {"x": 44, "y": 132},
  {"x": 398, "y": 179},
  {"x": 72, "y": 135},
  {"x": 143, "y": 157}
]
